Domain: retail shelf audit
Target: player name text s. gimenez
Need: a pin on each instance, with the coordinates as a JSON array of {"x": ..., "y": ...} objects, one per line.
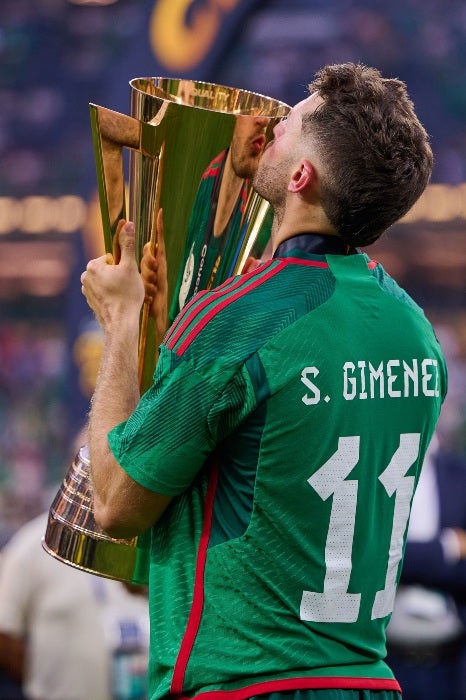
[{"x": 392, "y": 379}]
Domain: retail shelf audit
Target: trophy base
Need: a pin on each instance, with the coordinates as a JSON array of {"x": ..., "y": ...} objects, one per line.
[{"x": 73, "y": 537}]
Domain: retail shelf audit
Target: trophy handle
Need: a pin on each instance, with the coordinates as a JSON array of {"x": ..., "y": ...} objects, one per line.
[{"x": 111, "y": 133}]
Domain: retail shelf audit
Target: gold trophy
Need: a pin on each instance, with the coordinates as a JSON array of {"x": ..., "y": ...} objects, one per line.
[{"x": 191, "y": 149}]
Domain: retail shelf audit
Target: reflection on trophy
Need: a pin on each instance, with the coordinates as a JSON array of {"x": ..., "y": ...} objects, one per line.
[
  {"x": 218, "y": 210},
  {"x": 192, "y": 148}
]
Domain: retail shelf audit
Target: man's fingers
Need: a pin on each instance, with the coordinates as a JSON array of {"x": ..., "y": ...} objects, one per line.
[
  {"x": 95, "y": 263},
  {"x": 127, "y": 241},
  {"x": 116, "y": 242}
]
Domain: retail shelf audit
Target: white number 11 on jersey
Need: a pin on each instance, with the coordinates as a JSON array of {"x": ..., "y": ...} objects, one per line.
[{"x": 335, "y": 604}]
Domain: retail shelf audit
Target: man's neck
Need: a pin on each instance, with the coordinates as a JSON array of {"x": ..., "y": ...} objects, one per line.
[
  {"x": 292, "y": 226},
  {"x": 314, "y": 243}
]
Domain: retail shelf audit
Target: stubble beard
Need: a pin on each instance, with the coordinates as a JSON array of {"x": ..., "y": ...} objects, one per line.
[{"x": 269, "y": 183}]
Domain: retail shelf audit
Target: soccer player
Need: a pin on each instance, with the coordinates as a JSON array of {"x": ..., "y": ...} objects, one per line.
[{"x": 275, "y": 457}]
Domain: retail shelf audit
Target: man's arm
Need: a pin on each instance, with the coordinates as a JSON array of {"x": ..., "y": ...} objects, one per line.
[{"x": 115, "y": 292}]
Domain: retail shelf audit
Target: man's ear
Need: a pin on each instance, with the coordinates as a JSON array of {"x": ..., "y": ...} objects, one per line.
[{"x": 302, "y": 176}]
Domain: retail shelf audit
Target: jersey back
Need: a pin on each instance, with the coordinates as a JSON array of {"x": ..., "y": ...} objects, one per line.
[{"x": 286, "y": 551}]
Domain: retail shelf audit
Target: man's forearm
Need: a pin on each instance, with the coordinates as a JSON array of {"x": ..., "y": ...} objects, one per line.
[
  {"x": 115, "y": 398},
  {"x": 114, "y": 290}
]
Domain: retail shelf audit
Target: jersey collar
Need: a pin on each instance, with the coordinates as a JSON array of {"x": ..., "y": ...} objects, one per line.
[{"x": 313, "y": 243}]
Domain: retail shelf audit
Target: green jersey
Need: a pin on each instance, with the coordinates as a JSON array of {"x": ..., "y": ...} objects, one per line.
[
  {"x": 289, "y": 416},
  {"x": 209, "y": 259},
  {"x": 204, "y": 253}
]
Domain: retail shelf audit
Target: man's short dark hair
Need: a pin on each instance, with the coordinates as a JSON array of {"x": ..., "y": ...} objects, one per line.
[{"x": 377, "y": 156}]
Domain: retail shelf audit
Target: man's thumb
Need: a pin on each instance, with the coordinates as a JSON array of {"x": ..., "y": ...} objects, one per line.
[{"x": 127, "y": 240}]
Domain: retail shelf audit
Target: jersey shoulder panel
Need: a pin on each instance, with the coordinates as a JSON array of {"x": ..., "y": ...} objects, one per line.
[
  {"x": 239, "y": 316},
  {"x": 391, "y": 287}
]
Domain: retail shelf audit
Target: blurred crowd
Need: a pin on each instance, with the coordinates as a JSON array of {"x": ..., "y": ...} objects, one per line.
[
  {"x": 33, "y": 419},
  {"x": 422, "y": 42},
  {"x": 56, "y": 57}
]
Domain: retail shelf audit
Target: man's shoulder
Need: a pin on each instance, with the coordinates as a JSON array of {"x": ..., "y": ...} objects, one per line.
[
  {"x": 393, "y": 288},
  {"x": 217, "y": 318}
]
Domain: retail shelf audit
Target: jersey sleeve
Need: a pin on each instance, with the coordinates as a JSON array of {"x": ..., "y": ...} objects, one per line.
[{"x": 179, "y": 420}]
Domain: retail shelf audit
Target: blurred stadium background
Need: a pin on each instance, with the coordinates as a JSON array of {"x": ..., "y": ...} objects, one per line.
[{"x": 56, "y": 56}]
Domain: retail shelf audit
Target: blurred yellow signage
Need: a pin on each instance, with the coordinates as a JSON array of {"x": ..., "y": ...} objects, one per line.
[{"x": 181, "y": 34}]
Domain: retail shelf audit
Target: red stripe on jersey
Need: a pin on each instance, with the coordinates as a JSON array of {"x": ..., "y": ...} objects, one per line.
[
  {"x": 194, "y": 619},
  {"x": 241, "y": 286},
  {"x": 213, "y": 167},
  {"x": 178, "y": 324},
  {"x": 314, "y": 263},
  {"x": 253, "y": 283},
  {"x": 195, "y": 299},
  {"x": 301, "y": 261},
  {"x": 284, "y": 684}
]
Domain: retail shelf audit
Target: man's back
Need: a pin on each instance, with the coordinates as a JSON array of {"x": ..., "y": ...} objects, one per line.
[{"x": 319, "y": 382}]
